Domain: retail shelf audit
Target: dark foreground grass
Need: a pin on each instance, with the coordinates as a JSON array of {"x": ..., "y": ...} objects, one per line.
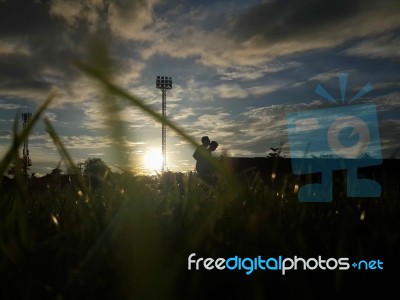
[{"x": 131, "y": 238}]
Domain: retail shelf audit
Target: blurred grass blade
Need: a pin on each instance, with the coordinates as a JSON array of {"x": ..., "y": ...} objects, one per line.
[
  {"x": 99, "y": 55},
  {"x": 117, "y": 91},
  {"x": 65, "y": 156}
]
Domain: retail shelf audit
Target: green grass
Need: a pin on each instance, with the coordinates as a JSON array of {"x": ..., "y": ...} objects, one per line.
[{"x": 130, "y": 238}]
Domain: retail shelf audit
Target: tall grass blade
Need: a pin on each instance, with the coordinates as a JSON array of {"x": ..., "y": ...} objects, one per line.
[{"x": 66, "y": 157}]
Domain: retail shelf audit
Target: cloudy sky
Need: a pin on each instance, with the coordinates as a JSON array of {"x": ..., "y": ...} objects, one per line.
[{"x": 238, "y": 67}]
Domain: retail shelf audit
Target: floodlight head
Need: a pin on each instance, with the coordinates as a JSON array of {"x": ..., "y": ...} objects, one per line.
[{"x": 163, "y": 82}]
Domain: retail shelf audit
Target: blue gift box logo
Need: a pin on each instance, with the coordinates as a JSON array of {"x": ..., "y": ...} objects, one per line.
[{"x": 347, "y": 134}]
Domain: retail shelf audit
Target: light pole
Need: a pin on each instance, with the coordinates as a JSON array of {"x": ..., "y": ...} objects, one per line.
[
  {"x": 164, "y": 83},
  {"x": 26, "y": 160}
]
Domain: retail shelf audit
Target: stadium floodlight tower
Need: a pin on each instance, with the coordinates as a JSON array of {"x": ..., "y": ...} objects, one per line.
[
  {"x": 164, "y": 83},
  {"x": 26, "y": 161}
]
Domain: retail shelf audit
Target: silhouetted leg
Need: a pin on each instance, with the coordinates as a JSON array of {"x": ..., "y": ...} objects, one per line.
[
  {"x": 361, "y": 187},
  {"x": 317, "y": 192}
]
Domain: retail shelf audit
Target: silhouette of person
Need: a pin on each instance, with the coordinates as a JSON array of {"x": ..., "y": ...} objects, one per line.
[
  {"x": 205, "y": 168},
  {"x": 201, "y": 153},
  {"x": 213, "y": 146}
]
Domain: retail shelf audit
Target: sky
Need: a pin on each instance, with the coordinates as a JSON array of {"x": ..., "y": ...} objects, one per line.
[{"x": 238, "y": 69}]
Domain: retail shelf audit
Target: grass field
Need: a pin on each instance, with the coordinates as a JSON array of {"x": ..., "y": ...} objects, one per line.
[{"x": 131, "y": 238}]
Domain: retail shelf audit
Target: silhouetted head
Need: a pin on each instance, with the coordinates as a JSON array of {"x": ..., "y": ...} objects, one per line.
[
  {"x": 205, "y": 140},
  {"x": 213, "y": 145}
]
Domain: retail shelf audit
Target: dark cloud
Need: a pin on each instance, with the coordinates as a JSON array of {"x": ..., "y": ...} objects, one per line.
[
  {"x": 276, "y": 21},
  {"x": 15, "y": 69},
  {"x": 40, "y": 40},
  {"x": 23, "y": 17},
  {"x": 40, "y": 46}
]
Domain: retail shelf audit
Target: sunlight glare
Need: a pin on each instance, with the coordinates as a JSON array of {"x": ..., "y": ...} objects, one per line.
[{"x": 152, "y": 160}]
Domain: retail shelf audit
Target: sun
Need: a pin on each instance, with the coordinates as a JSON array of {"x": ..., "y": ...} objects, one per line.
[{"x": 152, "y": 160}]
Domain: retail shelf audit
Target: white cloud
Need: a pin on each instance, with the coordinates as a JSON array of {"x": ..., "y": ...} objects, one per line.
[
  {"x": 236, "y": 91},
  {"x": 326, "y": 76},
  {"x": 73, "y": 12},
  {"x": 218, "y": 120},
  {"x": 52, "y": 117},
  {"x": 183, "y": 114},
  {"x": 87, "y": 142},
  {"x": 387, "y": 103},
  {"x": 8, "y": 106},
  {"x": 7, "y": 48},
  {"x": 34, "y": 94},
  {"x": 129, "y": 19},
  {"x": 70, "y": 11},
  {"x": 247, "y": 73},
  {"x": 265, "y": 89},
  {"x": 386, "y": 46},
  {"x": 128, "y": 71},
  {"x": 385, "y": 85},
  {"x": 230, "y": 91}
]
